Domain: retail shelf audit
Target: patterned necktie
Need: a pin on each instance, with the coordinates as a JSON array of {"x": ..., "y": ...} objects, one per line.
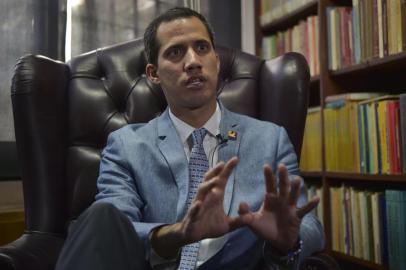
[{"x": 198, "y": 166}]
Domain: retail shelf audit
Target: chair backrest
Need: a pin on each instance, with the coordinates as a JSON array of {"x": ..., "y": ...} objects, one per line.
[{"x": 63, "y": 113}]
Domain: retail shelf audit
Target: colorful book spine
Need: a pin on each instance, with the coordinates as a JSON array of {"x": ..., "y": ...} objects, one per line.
[
  {"x": 367, "y": 30},
  {"x": 384, "y": 231},
  {"x": 301, "y": 38},
  {"x": 396, "y": 208},
  {"x": 356, "y": 32},
  {"x": 369, "y": 224},
  {"x": 402, "y": 105},
  {"x": 311, "y": 150}
]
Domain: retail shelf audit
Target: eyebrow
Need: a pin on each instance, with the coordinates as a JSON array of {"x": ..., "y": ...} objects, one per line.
[{"x": 174, "y": 46}]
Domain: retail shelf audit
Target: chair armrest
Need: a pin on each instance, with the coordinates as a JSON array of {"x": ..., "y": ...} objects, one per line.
[
  {"x": 32, "y": 251},
  {"x": 319, "y": 261}
]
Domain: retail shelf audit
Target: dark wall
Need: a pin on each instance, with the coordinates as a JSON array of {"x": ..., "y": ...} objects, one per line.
[{"x": 225, "y": 18}]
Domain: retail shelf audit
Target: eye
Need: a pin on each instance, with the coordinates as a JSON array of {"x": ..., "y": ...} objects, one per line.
[
  {"x": 174, "y": 52},
  {"x": 202, "y": 47}
]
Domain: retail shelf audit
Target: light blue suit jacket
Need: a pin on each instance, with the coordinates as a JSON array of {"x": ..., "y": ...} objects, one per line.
[{"x": 144, "y": 173}]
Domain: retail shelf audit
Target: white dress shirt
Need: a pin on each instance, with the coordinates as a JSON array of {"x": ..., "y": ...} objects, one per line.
[{"x": 208, "y": 247}]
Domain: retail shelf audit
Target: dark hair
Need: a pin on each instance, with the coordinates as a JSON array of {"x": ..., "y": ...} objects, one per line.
[{"x": 151, "y": 43}]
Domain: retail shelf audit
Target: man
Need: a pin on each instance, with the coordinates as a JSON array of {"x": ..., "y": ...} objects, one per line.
[{"x": 160, "y": 206}]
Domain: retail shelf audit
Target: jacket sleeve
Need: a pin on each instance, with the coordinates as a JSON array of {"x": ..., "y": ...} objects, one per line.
[{"x": 116, "y": 185}]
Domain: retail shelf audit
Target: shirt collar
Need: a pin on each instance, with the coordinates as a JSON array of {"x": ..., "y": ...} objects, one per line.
[{"x": 184, "y": 130}]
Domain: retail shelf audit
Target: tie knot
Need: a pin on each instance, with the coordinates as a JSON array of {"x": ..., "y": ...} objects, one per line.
[{"x": 198, "y": 135}]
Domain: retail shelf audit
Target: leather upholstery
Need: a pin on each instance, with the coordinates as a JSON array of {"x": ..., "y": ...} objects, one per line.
[{"x": 63, "y": 113}]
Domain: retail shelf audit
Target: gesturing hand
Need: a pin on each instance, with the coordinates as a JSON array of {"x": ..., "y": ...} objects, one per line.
[
  {"x": 278, "y": 220},
  {"x": 206, "y": 217}
]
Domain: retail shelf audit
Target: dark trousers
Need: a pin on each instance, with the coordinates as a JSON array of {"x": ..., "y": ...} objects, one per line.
[{"x": 102, "y": 238}]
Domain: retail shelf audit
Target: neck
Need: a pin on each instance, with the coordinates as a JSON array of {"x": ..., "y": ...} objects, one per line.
[{"x": 196, "y": 117}]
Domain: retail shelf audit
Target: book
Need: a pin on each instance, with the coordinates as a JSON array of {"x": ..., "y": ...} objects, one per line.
[
  {"x": 380, "y": 28},
  {"x": 356, "y": 223},
  {"x": 396, "y": 208},
  {"x": 356, "y": 32},
  {"x": 335, "y": 218},
  {"x": 366, "y": 138},
  {"x": 384, "y": 230},
  {"x": 370, "y": 234},
  {"x": 403, "y": 23},
  {"x": 363, "y": 198},
  {"x": 402, "y": 120},
  {"x": 363, "y": 30},
  {"x": 376, "y": 227},
  {"x": 378, "y": 138},
  {"x": 345, "y": 17},
  {"x": 330, "y": 137},
  {"x": 349, "y": 248},
  {"x": 402, "y": 236},
  {"x": 311, "y": 150},
  {"x": 372, "y": 139},
  {"x": 379, "y": 150},
  {"x": 392, "y": 119},
  {"x": 398, "y": 22},
  {"x": 375, "y": 29},
  {"x": 334, "y": 48},
  {"x": 361, "y": 139},
  {"x": 402, "y": 105},
  {"x": 383, "y": 141},
  {"x": 385, "y": 27}
]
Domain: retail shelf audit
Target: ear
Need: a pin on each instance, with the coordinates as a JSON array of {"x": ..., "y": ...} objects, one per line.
[{"x": 151, "y": 72}]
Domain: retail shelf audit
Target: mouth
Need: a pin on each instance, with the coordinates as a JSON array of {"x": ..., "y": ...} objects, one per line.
[{"x": 195, "y": 82}]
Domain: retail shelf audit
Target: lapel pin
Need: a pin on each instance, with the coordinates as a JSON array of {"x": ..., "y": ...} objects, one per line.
[{"x": 232, "y": 135}]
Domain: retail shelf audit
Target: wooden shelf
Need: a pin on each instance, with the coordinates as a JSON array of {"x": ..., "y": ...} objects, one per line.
[
  {"x": 385, "y": 178},
  {"x": 367, "y": 177},
  {"x": 357, "y": 261},
  {"x": 391, "y": 62},
  {"x": 292, "y": 18},
  {"x": 311, "y": 174}
]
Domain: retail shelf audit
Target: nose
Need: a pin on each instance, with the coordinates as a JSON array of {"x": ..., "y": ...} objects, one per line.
[{"x": 192, "y": 60}]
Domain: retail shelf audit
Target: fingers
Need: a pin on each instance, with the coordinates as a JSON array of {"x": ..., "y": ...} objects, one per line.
[
  {"x": 214, "y": 171},
  {"x": 288, "y": 190},
  {"x": 245, "y": 217},
  {"x": 216, "y": 177},
  {"x": 294, "y": 190},
  {"x": 284, "y": 184},
  {"x": 270, "y": 181},
  {"x": 271, "y": 187},
  {"x": 226, "y": 172},
  {"x": 243, "y": 209},
  {"x": 308, "y": 207},
  {"x": 205, "y": 187}
]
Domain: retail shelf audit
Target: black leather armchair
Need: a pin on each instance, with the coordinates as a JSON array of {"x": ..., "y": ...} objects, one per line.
[{"x": 63, "y": 113}]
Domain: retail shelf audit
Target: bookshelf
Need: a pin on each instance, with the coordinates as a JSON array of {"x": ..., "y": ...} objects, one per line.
[{"x": 374, "y": 73}]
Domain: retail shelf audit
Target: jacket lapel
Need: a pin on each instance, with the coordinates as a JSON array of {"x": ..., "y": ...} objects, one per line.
[
  {"x": 171, "y": 148},
  {"x": 229, "y": 123}
]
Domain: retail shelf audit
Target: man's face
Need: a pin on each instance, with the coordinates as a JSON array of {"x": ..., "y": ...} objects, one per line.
[{"x": 188, "y": 66}]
